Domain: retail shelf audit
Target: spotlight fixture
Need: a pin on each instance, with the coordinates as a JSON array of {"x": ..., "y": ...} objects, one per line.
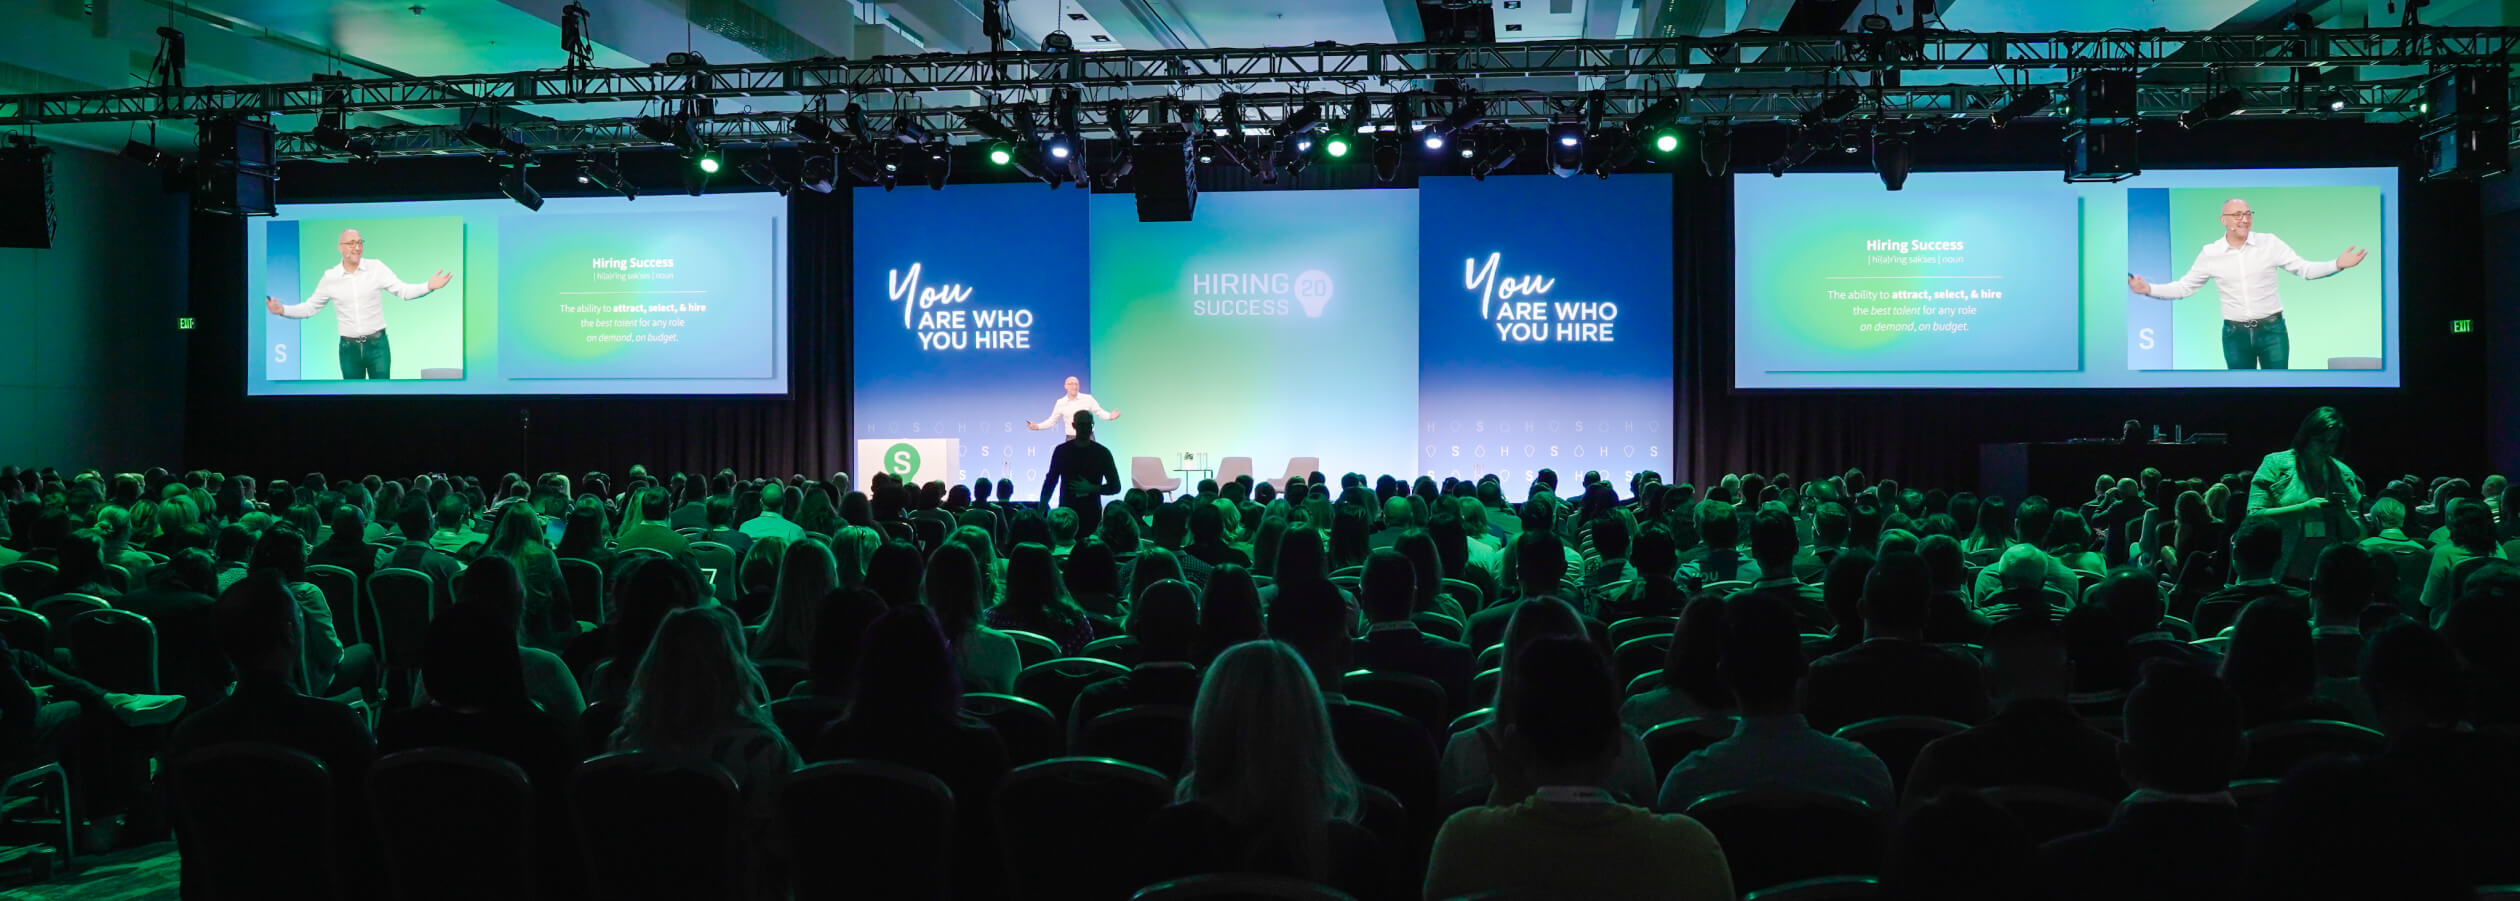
[
  {"x": 664, "y": 130},
  {"x": 1656, "y": 126},
  {"x": 1798, "y": 151},
  {"x": 573, "y": 38},
  {"x": 2023, "y": 103},
  {"x": 2215, "y": 107},
  {"x": 175, "y": 174},
  {"x": 1715, "y": 148},
  {"x": 2332, "y": 101},
  {"x": 1123, "y": 142},
  {"x": 1892, "y": 157},
  {"x": 1465, "y": 112},
  {"x": 593, "y": 173},
  {"x": 331, "y": 136},
  {"x": 908, "y": 130},
  {"x": 1500, "y": 148},
  {"x": 818, "y": 175},
  {"x": 1566, "y": 148},
  {"x": 1000, "y": 154},
  {"x": 1666, "y": 140},
  {"x": 707, "y": 161},
  {"x": 513, "y": 184},
  {"x": 489, "y": 137},
  {"x": 940, "y": 164},
  {"x": 812, "y": 128},
  {"x": 1833, "y": 107},
  {"x": 763, "y": 173},
  {"x": 1067, "y": 141},
  {"x": 1403, "y": 123},
  {"x": 988, "y": 125},
  {"x": 1058, "y": 147}
]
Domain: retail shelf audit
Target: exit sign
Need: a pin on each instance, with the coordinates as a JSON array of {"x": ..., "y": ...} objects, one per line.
[
  {"x": 183, "y": 323},
  {"x": 2462, "y": 326}
]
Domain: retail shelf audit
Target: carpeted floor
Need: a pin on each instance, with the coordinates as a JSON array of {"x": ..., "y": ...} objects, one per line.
[{"x": 145, "y": 873}]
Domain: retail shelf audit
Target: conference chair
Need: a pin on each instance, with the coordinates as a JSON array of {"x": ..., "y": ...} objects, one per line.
[
  {"x": 2413, "y": 564},
  {"x": 1483, "y": 686},
  {"x": 1667, "y": 743},
  {"x": 1467, "y": 594},
  {"x": 586, "y": 587},
  {"x": 1032, "y": 647},
  {"x": 256, "y": 821},
  {"x": 1120, "y": 649},
  {"x": 116, "y": 649},
  {"x": 1635, "y": 656},
  {"x": 61, "y": 607},
  {"x": 7, "y": 599},
  {"x": 1642, "y": 682},
  {"x": 1056, "y": 683},
  {"x": 1030, "y": 730},
  {"x": 1297, "y": 468},
  {"x": 1070, "y": 811},
  {"x": 2275, "y": 748},
  {"x": 434, "y": 807},
  {"x": 719, "y": 558},
  {"x": 867, "y": 829},
  {"x": 25, "y": 629},
  {"x": 1772, "y": 836},
  {"x": 801, "y": 718},
  {"x": 1148, "y": 473},
  {"x": 118, "y": 576},
  {"x": 1440, "y": 625},
  {"x": 26, "y": 577},
  {"x": 48, "y": 774},
  {"x": 1491, "y": 657},
  {"x": 340, "y": 588},
  {"x": 655, "y": 828},
  {"x": 1155, "y": 736},
  {"x": 403, "y": 601},
  {"x": 2252, "y": 795},
  {"x": 1898, "y": 739},
  {"x": 1468, "y": 721},
  {"x": 2048, "y": 812},
  {"x": 1232, "y": 468},
  {"x": 1411, "y": 695},
  {"x": 1824, "y": 888},
  {"x": 1239, "y": 887}
]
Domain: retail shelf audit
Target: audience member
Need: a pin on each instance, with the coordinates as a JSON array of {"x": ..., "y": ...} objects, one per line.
[
  {"x": 1691, "y": 685},
  {"x": 2272, "y": 668},
  {"x": 2180, "y": 828},
  {"x": 908, "y": 710},
  {"x": 1393, "y": 641},
  {"x": 1894, "y": 671},
  {"x": 696, "y": 696},
  {"x": 2458, "y": 775},
  {"x": 986, "y": 657},
  {"x": 2341, "y": 829},
  {"x": 2035, "y": 737},
  {"x": 1387, "y": 749},
  {"x": 1958, "y": 846},
  {"x": 1773, "y": 745},
  {"x": 1165, "y": 623},
  {"x": 1036, "y": 601},
  {"x": 807, "y": 574}
]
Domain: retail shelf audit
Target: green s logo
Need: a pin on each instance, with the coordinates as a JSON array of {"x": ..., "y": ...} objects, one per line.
[{"x": 901, "y": 460}]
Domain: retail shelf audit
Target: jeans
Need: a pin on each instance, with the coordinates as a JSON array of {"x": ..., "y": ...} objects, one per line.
[
  {"x": 2267, "y": 346},
  {"x": 369, "y": 359}
]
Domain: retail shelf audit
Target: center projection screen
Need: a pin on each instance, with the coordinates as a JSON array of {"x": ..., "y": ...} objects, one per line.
[
  {"x": 1456, "y": 329},
  {"x": 2020, "y": 280}
]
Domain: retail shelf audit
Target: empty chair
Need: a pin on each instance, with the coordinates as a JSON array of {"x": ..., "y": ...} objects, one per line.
[
  {"x": 1231, "y": 468},
  {"x": 868, "y": 829},
  {"x": 256, "y": 822},
  {"x": 1148, "y": 473},
  {"x": 1667, "y": 743},
  {"x": 26, "y": 577},
  {"x": 47, "y": 775},
  {"x": 1155, "y": 736},
  {"x": 2275, "y": 748},
  {"x": 340, "y": 588},
  {"x": 2048, "y": 812},
  {"x": 1032, "y": 647},
  {"x": 1297, "y": 469},
  {"x": 718, "y": 559},
  {"x": 1898, "y": 739},
  {"x": 586, "y": 588},
  {"x": 1824, "y": 888},
  {"x": 1056, "y": 683},
  {"x": 1408, "y": 694},
  {"x": 1031, "y": 732},
  {"x": 1773, "y": 836},
  {"x": 437, "y": 806},
  {"x": 116, "y": 649},
  {"x": 1070, "y": 810},
  {"x": 653, "y": 828},
  {"x": 1239, "y": 887}
]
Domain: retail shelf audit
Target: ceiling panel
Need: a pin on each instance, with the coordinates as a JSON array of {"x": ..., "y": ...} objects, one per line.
[{"x": 1288, "y": 23}]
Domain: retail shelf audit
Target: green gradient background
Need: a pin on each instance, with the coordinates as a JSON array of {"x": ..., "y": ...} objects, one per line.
[
  {"x": 427, "y": 333},
  {"x": 2336, "y": 316}
]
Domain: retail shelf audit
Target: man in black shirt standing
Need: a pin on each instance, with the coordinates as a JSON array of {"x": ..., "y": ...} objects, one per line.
[{"x": 1082, "y": 471}]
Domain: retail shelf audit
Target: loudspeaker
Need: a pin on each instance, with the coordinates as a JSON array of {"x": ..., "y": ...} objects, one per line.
[
  {"x": 27, "y": 218},
  {"x": 1165, "y": 174},
  {"x": 240, "y": 171}
]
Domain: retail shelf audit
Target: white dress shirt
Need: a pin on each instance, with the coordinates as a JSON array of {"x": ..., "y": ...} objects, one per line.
[
  {"x": 1064, "y": 412},
  {"x": 361, "y": 295},
  {"x": 2245, "y": 275}
]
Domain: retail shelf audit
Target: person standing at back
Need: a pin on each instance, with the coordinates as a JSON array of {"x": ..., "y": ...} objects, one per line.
[{"x": 1082, "y": 473}]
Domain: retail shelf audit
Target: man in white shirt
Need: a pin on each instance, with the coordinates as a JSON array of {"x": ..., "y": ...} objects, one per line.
[
  {"x": 1063, "y": 413},
  {"x": 2241, "y": 265},
  {"x": 359, "y": 285}
]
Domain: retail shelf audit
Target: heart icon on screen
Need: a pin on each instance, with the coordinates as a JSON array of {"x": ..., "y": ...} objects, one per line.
[{"x": 1312, "y": 289}]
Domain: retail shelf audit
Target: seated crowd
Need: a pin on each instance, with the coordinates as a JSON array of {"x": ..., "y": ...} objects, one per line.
[{"x": 1389, "y": 688}]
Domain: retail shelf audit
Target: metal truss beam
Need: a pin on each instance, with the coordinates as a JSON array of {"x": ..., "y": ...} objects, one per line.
[{"x": 1361, "y": 67}]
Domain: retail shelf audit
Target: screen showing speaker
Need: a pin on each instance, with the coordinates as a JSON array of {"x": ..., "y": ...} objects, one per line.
[
  {"x": 664, "y": 295},
  {"x": 1456, "y": 329},
  {"x": 2233, "y": 278}
]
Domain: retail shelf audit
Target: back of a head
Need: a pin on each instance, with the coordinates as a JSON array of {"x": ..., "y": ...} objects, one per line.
[
  {"x": 1314, "y": 622},
  {"x": 654, "y": 504},
  {"x": 839, "y": 639},
  {"x": 2026, "y": 656},
  {"x": 281, "y": 549},
  {"x": 2342, "y": 584},
  {"x": 2025, "y": 567},
  {"x": 906, "y": 669},
  {"x": 896, "y": 571},
  {"x": 2345, "y": 829},
  {"x": 693, "y": 682},
  {"x": 451, "y": 511},
  {"x": 2183, "y": 730},
  {"x": 2471, "y": 527},
  {"x": 1165, "y": 621},
  {"x": 1610, "y": 537},
  {"x": 1288, "y": 787},
  {"x": 1718, "y": 524},
  {"x": 1829, "y": 527},
  {"x": 2258, "y": 545},
  {"x": 1942, "y": 556},
  {"x": 2133, "y": 598},
  {"x": 1842, "y": 587},
  {"x": 1762, "y": 655},
  {"x": 493, "y": 584},
  {"x": 1567, "y": 705},
  {"x": 191, "y": 569},
  {"x": 257, "y": 623},
  {"x": 2270, "y": 662},
  {"x": 1772, "y": 540},
  {"x": 470, "y": 659},
  {"x": 1897, "y": 592},
  {"x": 1540, "y": 562},
  {"x": 2412, "y": 676},
  {"x": 644, "y": 590},
  {"x": 951, "y": 587},
  {"x": 1389, "y": 586},
  {"x": 1959, "y": 846},
  {"x": 1656, "y": 553},
  {"x": 349, "y": 525}
]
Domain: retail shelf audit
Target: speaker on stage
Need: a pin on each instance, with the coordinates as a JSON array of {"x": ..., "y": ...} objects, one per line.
[
  {"x": 240, "y": 167},
  {"x": 27, "y": 218},
  {"x": 1167, "y": 175}
]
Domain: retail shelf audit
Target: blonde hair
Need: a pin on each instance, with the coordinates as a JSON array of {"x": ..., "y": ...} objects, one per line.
[
  {"x": 693, "y": 684},
  {"x": 852, "y": 550},
  {"x": 807, "y": 572},
  {"x": 1287, "y": 789}
]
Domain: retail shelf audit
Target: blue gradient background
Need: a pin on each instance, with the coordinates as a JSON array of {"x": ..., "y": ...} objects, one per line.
[
  {"x": 271, "y": 266},
  {"x": 1015, "y": 246},
  {"x": 1512, "y": 408},
  {"x": 1769, "y": 219}
]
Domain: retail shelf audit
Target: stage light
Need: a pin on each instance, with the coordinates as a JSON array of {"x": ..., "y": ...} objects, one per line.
[
  {"x": 908, "y": 130},
  {"x": 513, "y": 185},
  {"x": 2023, "y": 103},
  {"x": 1386, "y": 162},
  {"x": 2215, "y": 107},
  {"x": 1667, "y": 141},
  {"x": 940, "y": 164},
  {"x": 2332, "y": 101},
  {"x": 333, "y": 137},
  {"x": 1000, "y": 154},
  {"x": 489, "y": 137},
  {"x": 1798, "y": 151},
  {"x": 1465, "y": 112},
  {"x": 1566, "y": 148},
  {"x": 1434, "y": 141},
  {"x": 818, "y": 175},
  {"x": 1501, "y": 146},
  {"x": 1892, "y": 157},
  {"x": 663, "y": 131},
  {"x": 1403, "y": 125},
  {"x": 1833, "y": 107},
  {"x": 1058, "y": 147},
  {"x": 595, "y": 174},
  {"x": 989, "y": 126},
  {"x": 1656, "y": 117},
  {"x": 1336, "y": 146},
  {"x": 1715, "y": 148},
  {"x": 707, "y": 161},
  {"x": 573, "y": 38},
  {"x": 763, "y": 173}
]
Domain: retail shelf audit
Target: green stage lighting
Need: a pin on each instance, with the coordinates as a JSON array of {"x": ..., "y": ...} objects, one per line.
[
  {"x": 1337, "y": 146},
  {"x": 709, "y": 162},
  {"x": 1667, "y": 141},
  {"x": 1000, "y": 154}
]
